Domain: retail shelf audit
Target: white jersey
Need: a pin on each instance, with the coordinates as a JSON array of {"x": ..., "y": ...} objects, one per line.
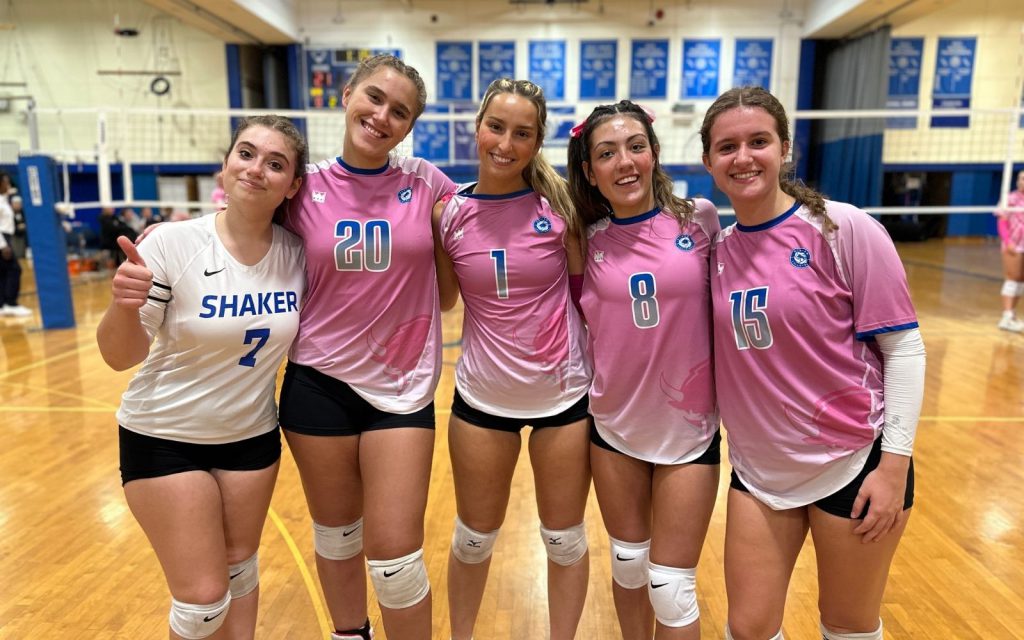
[{"x": 221, "y": 329}]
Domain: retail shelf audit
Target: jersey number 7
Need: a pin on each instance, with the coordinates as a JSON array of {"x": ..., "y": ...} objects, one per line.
[{"x": 260, "y": 336}]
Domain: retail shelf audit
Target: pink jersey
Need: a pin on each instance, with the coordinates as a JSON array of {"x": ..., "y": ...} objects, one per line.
[
  {"x": 798, "y": 373},
  {"x": 371, "y": 317},
  {"x": 647, "y": 301},
  {"x": 522, "y": 339},
  {"x": 1011, "y": 223}
]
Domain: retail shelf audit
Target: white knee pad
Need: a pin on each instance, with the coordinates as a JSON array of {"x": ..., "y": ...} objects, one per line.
[
  {"x": 1012, "y": 288},
  {"x": 338, "y": 543},
  {"x": 728, "y": 634},
  {"x": 673, "y": 595},
  {"x": 868, "y": 635},
  {"x": 244, "y": 576},
  {"x": 567, "y": 546},
  {"x": 197, "y": 621},
  {"x": 402, "y": 582},
  {"x": 471, "y": 546},
  {"x": 629, "y": 563}
]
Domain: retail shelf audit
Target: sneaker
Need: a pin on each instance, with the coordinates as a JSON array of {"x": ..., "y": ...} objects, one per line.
[
  {"x": 18, "y": 311},
  {"x": 1008, "y": 323}
]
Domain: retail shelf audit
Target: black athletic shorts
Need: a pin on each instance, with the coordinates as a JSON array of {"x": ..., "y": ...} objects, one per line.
[
  {"x": 713, "y": 455},
  {"x": 478, "y": 418},
  {"x": 145, "y": 456},
  {"x": 840, "y": 503},
  {"x": 316, "y": 404}
]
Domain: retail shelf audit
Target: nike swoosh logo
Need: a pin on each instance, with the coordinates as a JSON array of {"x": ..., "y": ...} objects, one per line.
[
  {"x": 621, "y": 559},
  {"x": 658, "y": 586},
  {"x": 388, "y": 575},
  {"x": 345, "y": 534},
  {"x": 209, "y": 618},
  {"x": 207, "y": 272},
  {"x": 235, "y": 576}
]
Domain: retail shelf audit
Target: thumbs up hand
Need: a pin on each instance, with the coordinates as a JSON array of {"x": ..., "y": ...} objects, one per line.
[{"x": 133, "y": 279}]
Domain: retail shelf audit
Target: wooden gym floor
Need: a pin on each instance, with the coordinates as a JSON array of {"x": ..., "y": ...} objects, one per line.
[{"x": 73, "y": 562}]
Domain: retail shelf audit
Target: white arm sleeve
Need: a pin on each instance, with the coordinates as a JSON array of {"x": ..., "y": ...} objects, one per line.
[{"x": 903, "y": 388}]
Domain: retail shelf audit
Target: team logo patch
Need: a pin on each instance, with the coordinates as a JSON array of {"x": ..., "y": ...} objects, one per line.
[
  {"x": 599, "y": 256},
  {"x": 405, "y": 195},
  {"x": 320, "y": 196},
  {"x": 542, "y": 225},
  {"x": 684, "y": 242},
  {"x": 458, "y": 234},
  {"x": 800, "y": 258}
]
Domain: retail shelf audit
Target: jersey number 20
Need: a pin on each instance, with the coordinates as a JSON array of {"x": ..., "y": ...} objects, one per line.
[
  {"x": 362, "y": 247},
  {"x": 749, "y": 319}
]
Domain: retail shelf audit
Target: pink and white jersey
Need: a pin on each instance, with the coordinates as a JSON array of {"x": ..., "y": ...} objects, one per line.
[
  {"x": 522, "y": 339},
  {"x": 798, "y": 373},
  {"x": 371, "y": 317},
  {"x": 647, "y": 301},
  {"x": 1011, "y": 223}
]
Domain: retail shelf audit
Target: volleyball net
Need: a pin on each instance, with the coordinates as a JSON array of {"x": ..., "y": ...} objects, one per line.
[{"x": 183, "y": 148}]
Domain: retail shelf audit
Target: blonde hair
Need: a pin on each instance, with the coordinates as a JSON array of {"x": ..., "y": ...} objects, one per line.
[
  {"x": 591, "y": 205},
  {"x": 756, "y": 97},
  {"x": 368, "y": 65},
  {"x": 538, "y": 174}
]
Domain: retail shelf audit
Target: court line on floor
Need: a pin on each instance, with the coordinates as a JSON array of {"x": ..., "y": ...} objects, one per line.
[
  {"x": 39, "y": 363},
  {"x": 98, "y": 404},
  {"x": 307, "y": 577},
  {"x": 959, "y": 272}
]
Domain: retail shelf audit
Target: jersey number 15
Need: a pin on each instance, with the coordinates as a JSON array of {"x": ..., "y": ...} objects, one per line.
[{"x": 750, "y": 319}]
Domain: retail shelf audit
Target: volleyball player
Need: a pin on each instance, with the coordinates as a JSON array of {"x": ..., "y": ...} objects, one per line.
[
  {"x": 1011, "y": 235},
  {"x": 646, "y": 298},
  {"x": 819, "y": 369},
  {"x": 357, "y": 399},
  {"x": 511, "y": 240},
  {"x": 210, "y": 306}
]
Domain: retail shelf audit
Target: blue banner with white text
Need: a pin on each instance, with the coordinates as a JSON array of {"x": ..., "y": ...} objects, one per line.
[
  {"x": 904, "y": 79},
  {"x": 701, "y": 62},
  {"x": 752, "y": 65},
  {"x": 495, "y": 60},
  {"x": 598, "y": 65},
  {"x": 648, "y": 76},
  {"x": 954, "y": 74},
  {"x": 547, "y": 67},
  {"x": 454, "y": 71}
]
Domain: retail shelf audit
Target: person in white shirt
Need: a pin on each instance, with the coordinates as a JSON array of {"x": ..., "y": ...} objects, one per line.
[{"x": 210, "y": 307}]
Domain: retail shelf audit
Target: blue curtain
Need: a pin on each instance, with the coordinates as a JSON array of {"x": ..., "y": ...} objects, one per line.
[{"x": 850, "y": 150}]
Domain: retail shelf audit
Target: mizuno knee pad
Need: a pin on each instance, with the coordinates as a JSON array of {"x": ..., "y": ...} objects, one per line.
[
  {"x": 471, "y": 546},
  {"x": 566, "y": 546}
]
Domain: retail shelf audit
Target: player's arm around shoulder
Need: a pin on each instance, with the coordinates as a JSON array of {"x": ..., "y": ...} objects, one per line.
[
  {"x": 447, "y": 280},
  {"x": 575, "y": 249},
  {"x": 122, "y": 339}
]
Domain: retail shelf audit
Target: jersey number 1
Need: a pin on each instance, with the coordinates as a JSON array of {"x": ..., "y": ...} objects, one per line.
[{"x": 749, "y": 318}]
